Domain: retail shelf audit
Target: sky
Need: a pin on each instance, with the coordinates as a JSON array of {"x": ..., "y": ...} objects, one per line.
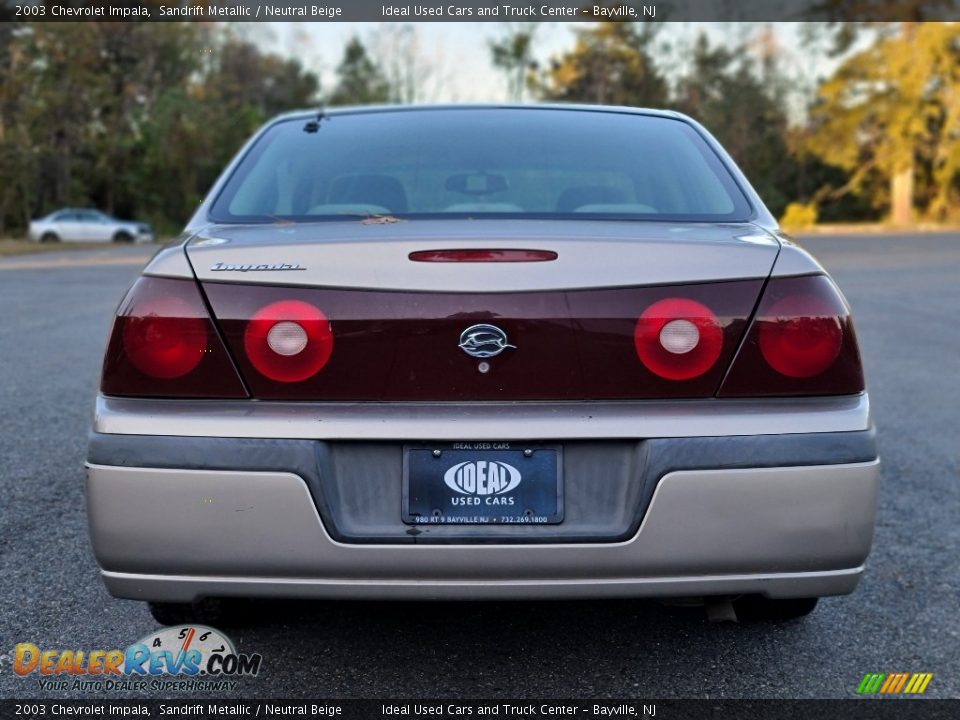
[{"x": 459, "y": 51}]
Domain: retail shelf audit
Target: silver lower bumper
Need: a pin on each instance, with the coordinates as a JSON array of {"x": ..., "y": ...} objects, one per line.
[{"x": 176, "y": 535}]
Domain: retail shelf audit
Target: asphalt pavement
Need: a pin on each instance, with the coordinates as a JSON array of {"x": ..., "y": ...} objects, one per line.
[{"x": 55, "y": 312}]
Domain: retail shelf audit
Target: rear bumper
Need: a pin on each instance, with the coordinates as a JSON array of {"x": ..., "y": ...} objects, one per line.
[
  {"x": 174, "y": 534},
  {"x": 192, "y": 499}
]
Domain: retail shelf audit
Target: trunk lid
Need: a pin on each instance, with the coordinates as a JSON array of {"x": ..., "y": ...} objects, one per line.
[
  {"x": 590, "y": 254},
  {"x": 405, "y": 331}
]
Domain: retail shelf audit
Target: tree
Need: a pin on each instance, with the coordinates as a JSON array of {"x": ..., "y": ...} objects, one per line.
[
  {"x": 740, "y": 99},
  {"x": 134, "y": 118},
  {"x": 197, "y": 125},
  {"x": 893, "y": 110},
  {"x": 513, "y": 54},
  {"x": 137, "y": 63},
  {"x": 359, "y": 82},
  {"x": 11, "y": 146},
  {"x": 610, "y": 64},
  {"x": 411, "y": 76},
  {"x": 244, "y": 77},
  {"x": 49, "y": 122}
]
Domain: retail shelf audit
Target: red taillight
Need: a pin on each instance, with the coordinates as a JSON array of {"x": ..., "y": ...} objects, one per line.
[
  {"x": 163, "y": 344},
  {"x": 510, "y": 255},
  {"x": 800, "y": 336},
  {"x": 165, "y": 339},
  {"x": 288, "y": 341},
  {"x": 678, "y": 338},
  {"x": 801, "y": 342}
]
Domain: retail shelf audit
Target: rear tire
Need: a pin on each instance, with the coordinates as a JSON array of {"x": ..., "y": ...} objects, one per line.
[
  {"x": 751, "y": 608},
  {"x": 49, "y": 237},
  {"x": 123, "y": 237},
  {"x": 208, "y": 611}
]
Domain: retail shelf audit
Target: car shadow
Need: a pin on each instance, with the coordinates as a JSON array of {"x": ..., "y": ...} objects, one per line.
[{"x": 417, "y": 617}]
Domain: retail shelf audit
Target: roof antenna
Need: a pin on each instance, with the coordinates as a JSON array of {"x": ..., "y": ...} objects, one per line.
[{"x": 313, "y": 125}]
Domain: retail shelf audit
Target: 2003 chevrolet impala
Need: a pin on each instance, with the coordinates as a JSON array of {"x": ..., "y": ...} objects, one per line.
[{"x": 482, "y": 352}]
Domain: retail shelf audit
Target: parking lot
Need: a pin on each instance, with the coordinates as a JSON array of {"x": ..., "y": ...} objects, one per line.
[{"x": 905, "y": 294}]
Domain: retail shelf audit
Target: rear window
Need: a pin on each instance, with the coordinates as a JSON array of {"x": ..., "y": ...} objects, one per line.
[{"x": 487, "y": 162}]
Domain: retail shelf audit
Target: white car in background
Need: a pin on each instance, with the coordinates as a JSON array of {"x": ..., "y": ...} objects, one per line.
[{"x": 70, "y": 225}]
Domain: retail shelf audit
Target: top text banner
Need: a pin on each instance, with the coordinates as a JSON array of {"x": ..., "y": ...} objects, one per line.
[{"x": 483, "y": 10}]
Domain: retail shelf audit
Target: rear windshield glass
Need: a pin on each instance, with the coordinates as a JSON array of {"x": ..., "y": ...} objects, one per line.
[{"x": 473, "y": 162}]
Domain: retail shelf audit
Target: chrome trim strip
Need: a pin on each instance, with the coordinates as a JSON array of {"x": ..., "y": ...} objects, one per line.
[
  {"x": 185, "y": 588},
  {"x": 480, "y": 421},
  {"x": 466, "y": 582}
]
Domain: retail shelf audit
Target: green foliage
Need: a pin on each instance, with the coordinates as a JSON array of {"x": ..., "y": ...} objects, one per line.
[
  {"x": 134, "y": 118},
  {"x": 725, "y": 88},
  {"x": 138, "y": 119},
  {"x": 360, "y": 81},
  {"x": 609, "y": 65},
  {"x": 741, "y": 102}
]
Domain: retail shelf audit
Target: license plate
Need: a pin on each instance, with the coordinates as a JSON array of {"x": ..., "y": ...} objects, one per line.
[{"x": 469, "y": 483}]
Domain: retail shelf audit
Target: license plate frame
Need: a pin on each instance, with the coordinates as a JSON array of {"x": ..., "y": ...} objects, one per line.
[{"x": 536, "y": 498}]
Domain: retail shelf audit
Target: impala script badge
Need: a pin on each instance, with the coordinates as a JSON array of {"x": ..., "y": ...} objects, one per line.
[
  {"x": 483, "y": 341},
  {"x": 264, "y": 267}
]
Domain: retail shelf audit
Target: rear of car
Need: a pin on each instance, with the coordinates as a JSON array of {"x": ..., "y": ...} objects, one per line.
[{"x": 482, "y": 353}]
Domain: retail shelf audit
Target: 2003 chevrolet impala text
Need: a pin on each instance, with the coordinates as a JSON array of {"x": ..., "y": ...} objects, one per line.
[{"x": 482, "y": 352}]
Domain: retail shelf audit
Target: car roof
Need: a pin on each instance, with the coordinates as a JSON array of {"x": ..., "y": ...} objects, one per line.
[{"x": 370, "y": 109}]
